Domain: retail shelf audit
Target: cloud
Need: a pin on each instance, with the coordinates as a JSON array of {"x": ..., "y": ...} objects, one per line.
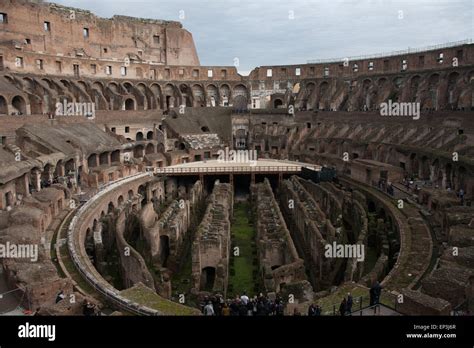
[{"x": 274, "y": 32}]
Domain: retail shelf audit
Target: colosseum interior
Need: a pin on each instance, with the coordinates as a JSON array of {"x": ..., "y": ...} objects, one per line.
[{"x": 127, "y": 166}]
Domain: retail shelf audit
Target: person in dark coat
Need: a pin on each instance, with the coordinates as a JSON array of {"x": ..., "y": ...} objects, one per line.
[
  {"x": 343, "y": 307},
  {"x": 349, "y": 303}
]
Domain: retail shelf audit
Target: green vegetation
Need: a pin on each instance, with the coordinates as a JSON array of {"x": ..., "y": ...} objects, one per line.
[
  {"x": 243, "y": 268},
  {"x": 81, "y": 282},
  {"x": 147, "y": 297}
]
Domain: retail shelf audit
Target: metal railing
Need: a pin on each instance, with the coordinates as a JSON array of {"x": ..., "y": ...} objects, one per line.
[
  {"x": 233, "y": 169},
  {"x": 393, "y": 53}
]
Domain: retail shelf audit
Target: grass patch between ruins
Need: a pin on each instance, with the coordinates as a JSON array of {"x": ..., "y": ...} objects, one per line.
[
  {"x": 142, "y": 295},
  {"x": 242, "y": 275}
]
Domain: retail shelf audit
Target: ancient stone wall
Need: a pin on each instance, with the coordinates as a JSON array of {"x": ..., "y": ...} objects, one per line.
[
  {"x": 211, "y": 247},
  {"x": 280, "y": 263}
]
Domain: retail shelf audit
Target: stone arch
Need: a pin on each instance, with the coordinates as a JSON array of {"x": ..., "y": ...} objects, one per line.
[
  {"x": 19, "y": 104},
  {"x": 323, "y": 96},
  {"x": 156, "y": 90},
  {"x": 277, "y": 103},
  {"x": 199, "y": 96},
  {"x": 149, "y": 135},
  {"x": 225, "y": 94},
  {"x": 129, "y": 104},
  {"x": 3, "y": 106},
  {"x": 414, "y": 85},
  {"x": 99, "y": 86},
  {"x": 149, "y": 149},
  {"x": 208, "y": 277},
  {"x": 212, "y": 95},
  {"x": 128, "y": 87},
  {"x": 114, "y": 87},
  {"x": 110, "y": 208},
  {"x": 139, "y": 136},
  {"x": 240, "y": 97},
  {"x": 186, "y": 94},
  {"x": 170, "y": 96},
  {"x": 138, "y": 151},
  {"x": 92, "y": 161},
  {"x": 142, "y": 192},
  {"x": 452, "y": 98},
  {"x": 104, "y": 158},
  {"x": 115, "y": 156},
  {"x": 431, "y": 100},
  {"x": 120, "y": 200}
]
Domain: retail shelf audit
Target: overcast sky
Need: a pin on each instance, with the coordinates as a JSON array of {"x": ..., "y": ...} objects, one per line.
[{"x": 273, "y": 32}]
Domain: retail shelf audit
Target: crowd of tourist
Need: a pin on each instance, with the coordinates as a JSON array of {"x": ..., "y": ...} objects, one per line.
[{"x": 242, "y": 305}]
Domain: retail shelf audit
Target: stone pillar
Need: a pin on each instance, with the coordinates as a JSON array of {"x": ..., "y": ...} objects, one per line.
[
  {"x": 98, "y": 244},
  {"x": 36, "y": 179},
  {"x": 23, "y": 188}
]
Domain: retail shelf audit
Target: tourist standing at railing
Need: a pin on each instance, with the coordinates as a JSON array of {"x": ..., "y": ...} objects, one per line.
[
  {"x": 343, "y": 307},
  {"x": 349, "y": 303},
  {"x": 375, "y": 292}
]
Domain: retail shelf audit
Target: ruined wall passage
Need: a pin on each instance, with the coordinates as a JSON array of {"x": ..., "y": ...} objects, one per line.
[
  {"x": 311, "y": 230},
  {"x": 165, "y": 235},
  {"x": 211, "y": 247},
  {"x": 279, "y": 261}
]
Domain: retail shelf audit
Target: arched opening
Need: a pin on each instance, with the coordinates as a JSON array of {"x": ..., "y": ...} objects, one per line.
[
  {"x": 110, "y": 208},
  {"x": 115, "y": 156},
  {"x": 277, "y": 104},
  {"x": 19, "y": 105},
  {"x": 150, "y": 148},
  {"x": 104, "y": 159},
  {"x": 3, "y": 106},
  {"x": 8, "y": 199},
  {"x": 120, "y": 200},
  {"x": 142, "y": 193},
  {"x": 164, "y": 250},
  {"x": 149, "y": 135},
  {"x": 138, "y": 151},
  {"x": 205, "y": 129},
  {"x": 208, "y": 277},
  {"x": 198, "y": 95},
  {"x": 240, "y": 94},
  {"x": 129, "y": 104},
  {"x": 212, "y": 95},
  {"x": 224, "y": 92},
  {"x": 139, "y": 136},
  {"x": 92, "y": 161}
]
